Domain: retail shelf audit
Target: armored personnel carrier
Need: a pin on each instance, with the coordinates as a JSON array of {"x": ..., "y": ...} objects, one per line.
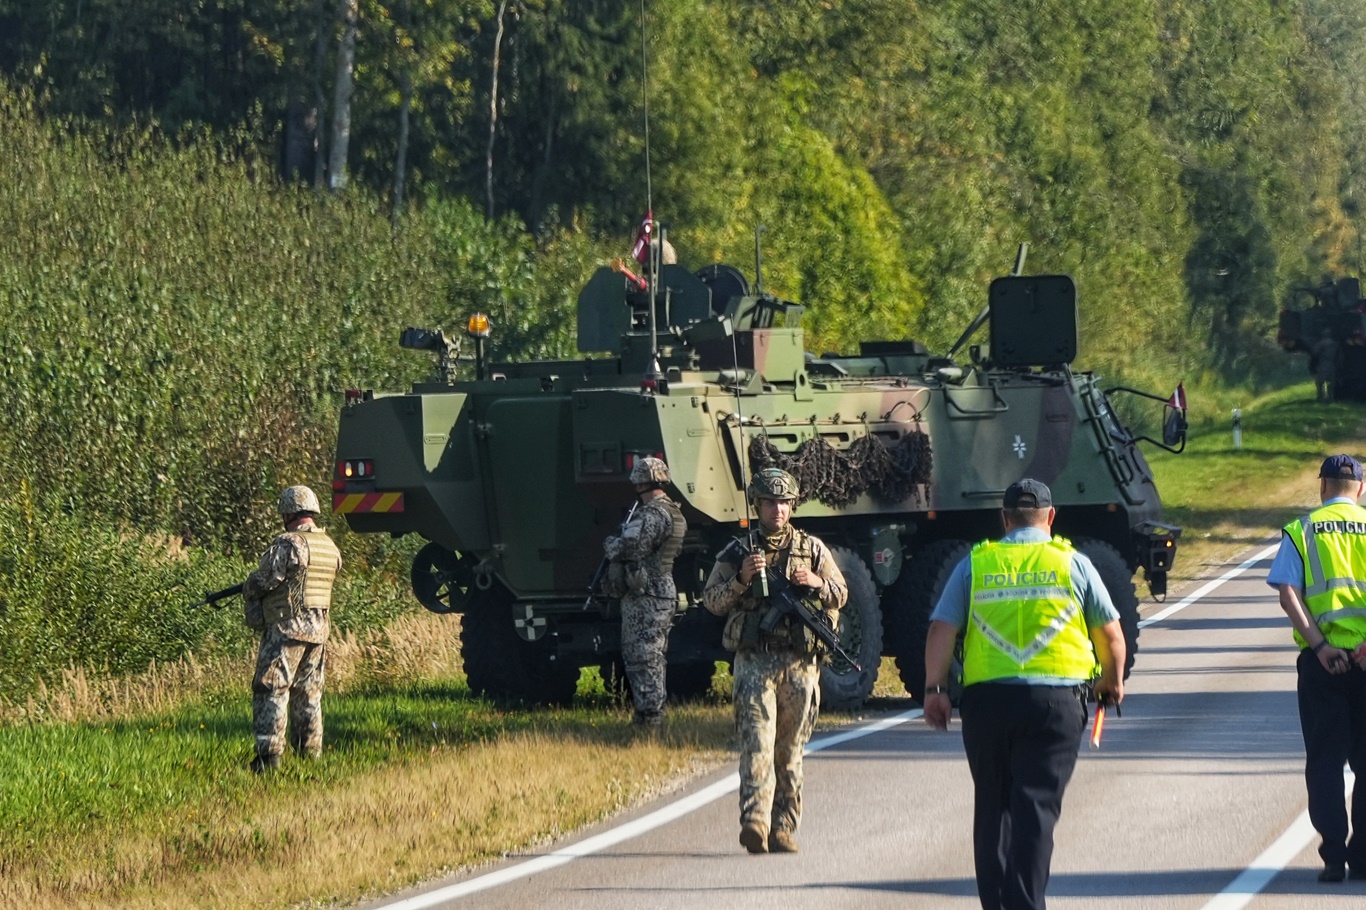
[
  {"x": 1333, "y": 327},
  {"x": 516, "y": 472}
]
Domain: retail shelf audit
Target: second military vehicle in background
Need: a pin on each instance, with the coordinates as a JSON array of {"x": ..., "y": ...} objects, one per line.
[
  {"x": 516, "y": 471},
  {"x": 1332, "y": 331}
]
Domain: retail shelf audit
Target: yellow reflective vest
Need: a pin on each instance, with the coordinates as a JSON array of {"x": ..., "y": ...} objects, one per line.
[
  {"x": 1023, "y": 619},
  {"x": 1332, "y": 543}
]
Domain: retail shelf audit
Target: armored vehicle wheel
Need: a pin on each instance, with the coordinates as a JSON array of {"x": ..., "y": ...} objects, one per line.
[
  {"x": 499, "y": 665},
  {"x": 910, "y": 600},
  {"x": 682, "y": 682},
  {"x": 860, "y": 630},
  {"x": 688, "y": 682},
  {"x": 1119, "y": 581},
  {"x": 441, "y": 579}
]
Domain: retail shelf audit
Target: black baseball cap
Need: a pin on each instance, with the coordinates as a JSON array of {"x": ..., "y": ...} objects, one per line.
[
  {"x": 1341, "y": 467},
  {"x": 1033, "y": 494}
]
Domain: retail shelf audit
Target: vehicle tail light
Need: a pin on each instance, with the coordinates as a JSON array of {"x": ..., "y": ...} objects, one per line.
[{"x": 356, "y": 469}]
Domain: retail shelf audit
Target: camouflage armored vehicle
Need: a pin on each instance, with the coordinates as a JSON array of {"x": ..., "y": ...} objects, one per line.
[
  {"x": 516, "y": 472},
  {"x": 1334, "y": 327}
]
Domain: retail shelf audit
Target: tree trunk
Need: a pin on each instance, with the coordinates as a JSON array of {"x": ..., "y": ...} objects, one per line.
[
  {"x": 405, "y": 78},
  {"x": 493, "y": 111},
  {"x": 300, "y": 139},
  {"x": 341, "y": 107},
  {"x": 321, "y": 31}
]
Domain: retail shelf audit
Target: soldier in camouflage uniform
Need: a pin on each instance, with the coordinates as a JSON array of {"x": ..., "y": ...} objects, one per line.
[
  {"x": 288, "y": 598},
  {"x": 642, "y": 558},
  {"x": 777, "y": 676}
]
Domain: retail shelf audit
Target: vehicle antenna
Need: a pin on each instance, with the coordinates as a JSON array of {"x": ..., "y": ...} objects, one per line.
[
  {"x": 653, "y": 249},
  {"x": 758, "y": 263},
  {"x": 986, "y": 310},
  {"x": 743, "y": 453}
]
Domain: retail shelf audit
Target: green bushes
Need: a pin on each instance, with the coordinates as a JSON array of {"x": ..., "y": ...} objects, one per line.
[
  {"x": 179, "y": 332},
  {"x": 74, "y": 593}
]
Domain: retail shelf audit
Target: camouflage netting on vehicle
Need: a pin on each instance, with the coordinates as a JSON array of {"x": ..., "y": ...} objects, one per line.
[{"x": 837, "y": 478}]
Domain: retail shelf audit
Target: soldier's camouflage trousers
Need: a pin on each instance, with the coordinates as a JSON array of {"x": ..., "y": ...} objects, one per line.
[
  {"x": 777, "y": 697},
  {"x": 644, "y": 640},
  {"x": 288, "y": 681}
]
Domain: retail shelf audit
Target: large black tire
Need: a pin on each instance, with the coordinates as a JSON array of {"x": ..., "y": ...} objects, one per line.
[
  {"x": 500, "y": 665},
  {"x": 844, "y": 688},
  {"x": 1119, "y": 581},
  {"x": 909, "y": 602},
  {"x": 682, "y": 682},
  {"x": 688, "y": 682}
]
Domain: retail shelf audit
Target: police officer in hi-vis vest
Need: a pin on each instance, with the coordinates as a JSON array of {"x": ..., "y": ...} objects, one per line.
[
  {"x": 1320, "y": 572},
  {"x": 287, "y": 600},
  {"x": 1038, "y": 626}
]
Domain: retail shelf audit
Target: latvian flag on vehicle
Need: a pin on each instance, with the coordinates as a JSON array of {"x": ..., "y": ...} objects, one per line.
[
  {"x": 641, "y": 251},
  {"x": 1178, "y": 399}
]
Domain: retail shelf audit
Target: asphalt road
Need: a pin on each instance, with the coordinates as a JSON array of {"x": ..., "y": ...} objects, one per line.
[{"x": 1194, "y": 800}]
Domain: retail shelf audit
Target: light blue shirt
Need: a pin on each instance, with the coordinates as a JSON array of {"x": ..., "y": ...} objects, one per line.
[
  {"x": 1288, "y": 566},
  {"x": 1087, "y": 588}
]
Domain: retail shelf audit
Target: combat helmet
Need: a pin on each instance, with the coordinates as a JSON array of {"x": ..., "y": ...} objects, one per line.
[
  {"x": 650, "y": 470},
  {"x": 298, "y": 498},
  {"x": 774, "y": 483}
]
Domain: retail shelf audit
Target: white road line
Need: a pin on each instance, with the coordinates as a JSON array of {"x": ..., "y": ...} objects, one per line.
[
  {"x": 1293, "y": 841},
  {"x": 1210, "y": 586},
  {"x": 599, "y": 842},
  {"x": 1272, "y": 862}
]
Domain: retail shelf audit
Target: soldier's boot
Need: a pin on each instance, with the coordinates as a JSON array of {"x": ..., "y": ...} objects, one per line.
[
  {"x": 752, "y": 837},
  {"x": 780, "y": 840},
  {"x": 303, "y": 749},
  {"x": 262, "y": 764},
  {"x": 648, "y": 720}
]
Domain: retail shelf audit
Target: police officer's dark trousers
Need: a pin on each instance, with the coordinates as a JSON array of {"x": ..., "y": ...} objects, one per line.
[
  {"x": 1333, "y": 721},
  {"x": 1021, "y": 744}
]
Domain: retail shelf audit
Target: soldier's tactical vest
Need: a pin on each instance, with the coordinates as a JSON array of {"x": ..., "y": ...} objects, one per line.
[
  {"x": 631, "y": 577},
  {"x": 310, "y": 589},
  {"x": 742, "y": 630},
  {"x": 674, "y": 545},
  {"x": 1023, "y": 620},
  {"x": 1332, "y": 541}
]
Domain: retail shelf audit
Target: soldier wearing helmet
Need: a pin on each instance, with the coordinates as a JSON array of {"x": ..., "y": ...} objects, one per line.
[
  {"x": 776, "y": 673},
  {"x": 288, "y": 598},
  {"x": 641, "y": 563}
]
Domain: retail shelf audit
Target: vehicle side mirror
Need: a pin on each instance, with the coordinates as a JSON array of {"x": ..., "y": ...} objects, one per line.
[{"x": 1174, "y": 428}]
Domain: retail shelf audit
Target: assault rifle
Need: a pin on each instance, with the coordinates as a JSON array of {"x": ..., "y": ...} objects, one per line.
[
  {"x": 605, "y": 562},
  {"x": 785, "y": 601},
  {"x": 216, "y": 598}
]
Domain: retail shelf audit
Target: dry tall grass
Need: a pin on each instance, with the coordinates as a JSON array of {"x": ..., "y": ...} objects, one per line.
[
  {"x": 388, "y": 830},
  {"x": 416, "y": 646}
]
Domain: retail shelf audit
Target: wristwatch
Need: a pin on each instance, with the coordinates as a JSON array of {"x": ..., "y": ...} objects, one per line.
[{"x": 936, "y": 690}]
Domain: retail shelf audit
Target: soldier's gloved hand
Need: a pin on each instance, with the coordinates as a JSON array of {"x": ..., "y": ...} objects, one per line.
[
  {"x": 754, "y": 564},
  {"x": 254, "y": 615}
]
